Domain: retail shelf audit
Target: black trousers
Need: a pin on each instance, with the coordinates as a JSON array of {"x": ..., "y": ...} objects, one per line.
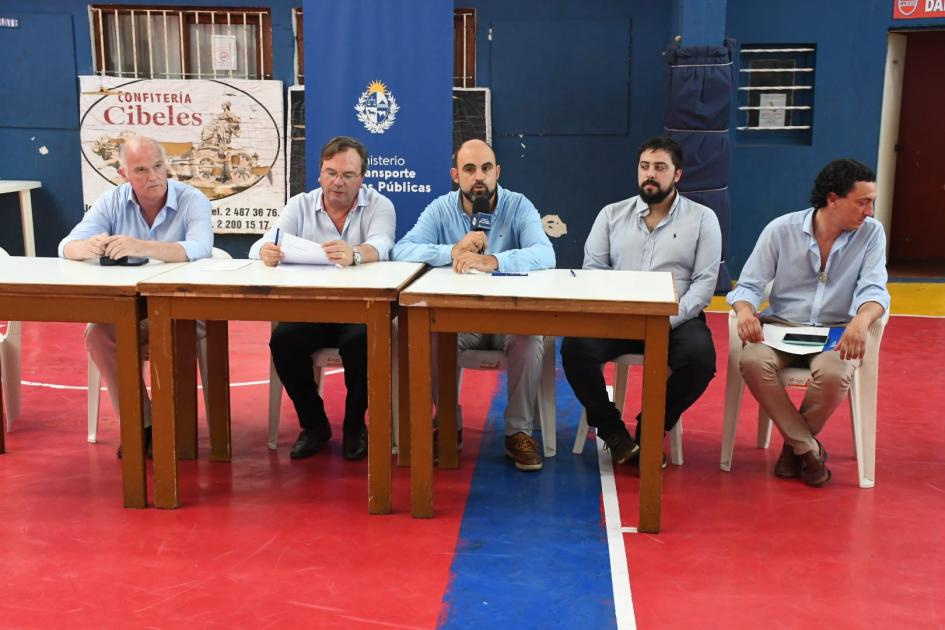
[
  {"x": 292, "y": 345},
  {"x": 691, "y": 359}
]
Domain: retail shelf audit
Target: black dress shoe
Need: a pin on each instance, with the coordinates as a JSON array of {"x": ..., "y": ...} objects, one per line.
[
  {"x": 354, "y": 444},
  {"x": 308, "y": 443},
  {"x": 147, "y": 444}
]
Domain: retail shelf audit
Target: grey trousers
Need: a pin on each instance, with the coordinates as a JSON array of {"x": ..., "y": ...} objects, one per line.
[
  {"x": 525, "y": 354},
  {"x": 829, "y": 381}
]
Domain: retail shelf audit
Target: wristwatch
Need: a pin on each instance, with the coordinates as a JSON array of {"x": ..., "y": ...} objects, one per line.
[{"x": 356, "y": 255}]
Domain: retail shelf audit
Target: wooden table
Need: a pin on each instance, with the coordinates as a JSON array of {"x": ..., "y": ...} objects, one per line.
[
  {"x": 296, "y": 293},
  {"x": 57, "y": 290},
  {"x": 26, "y": 209},
  {"x": 614, "y": 304}
]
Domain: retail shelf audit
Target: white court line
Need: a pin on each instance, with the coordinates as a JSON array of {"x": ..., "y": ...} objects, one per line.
[
  {"x": 619, "y": 571},
  {"x": 84, "y": 387}
]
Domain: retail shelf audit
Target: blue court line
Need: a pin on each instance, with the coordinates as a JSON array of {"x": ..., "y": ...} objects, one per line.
[{"x": 532, "y": 549}]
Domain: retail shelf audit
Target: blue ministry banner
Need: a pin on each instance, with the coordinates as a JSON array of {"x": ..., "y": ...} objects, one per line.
[{"x": 381, "y": 71}]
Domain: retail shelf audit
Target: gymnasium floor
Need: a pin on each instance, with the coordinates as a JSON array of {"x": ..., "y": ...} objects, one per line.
[{"x": 265, "y": 541}]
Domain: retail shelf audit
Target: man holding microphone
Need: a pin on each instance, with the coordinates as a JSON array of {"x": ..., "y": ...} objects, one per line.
[{"x": 510, "y": 240}]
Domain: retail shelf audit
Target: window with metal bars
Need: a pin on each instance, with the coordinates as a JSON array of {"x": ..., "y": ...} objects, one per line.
[
  {"x": 160, "y": 42},
  {"x": 464, "y": 47},
  {"x": 776, "y": 93}
]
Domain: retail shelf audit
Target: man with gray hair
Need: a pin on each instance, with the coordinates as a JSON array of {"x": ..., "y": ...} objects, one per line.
[{"x": 150, "y": 216}]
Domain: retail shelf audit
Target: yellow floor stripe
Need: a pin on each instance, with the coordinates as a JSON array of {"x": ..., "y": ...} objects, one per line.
[{"x": 908, "y": 298}]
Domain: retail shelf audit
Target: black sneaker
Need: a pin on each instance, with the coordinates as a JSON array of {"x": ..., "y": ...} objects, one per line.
[
  {"x": 147, "y": 444},
  {"x": 621, "y": 445},
  {"x": 436, "y": 443}
]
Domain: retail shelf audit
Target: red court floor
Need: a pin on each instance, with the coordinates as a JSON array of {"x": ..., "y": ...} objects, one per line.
[{"x": 264, "y": 541}]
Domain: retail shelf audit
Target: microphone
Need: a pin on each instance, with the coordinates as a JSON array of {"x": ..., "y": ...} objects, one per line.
[{"x": 481, "y": 215}]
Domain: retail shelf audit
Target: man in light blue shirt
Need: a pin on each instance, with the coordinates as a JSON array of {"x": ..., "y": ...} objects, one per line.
[
  {"x": 827, "y": 266},
  {"x": 515, "y": 242},
  {"x": 354, "y": 225},
  {"x": 657, "y": 230},
  {"x": 149, "y": 216}
]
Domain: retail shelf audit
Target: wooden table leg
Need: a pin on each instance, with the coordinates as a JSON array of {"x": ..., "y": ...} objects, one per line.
[
  {"x": 217, "y": 391},
  {"x": 403, "y": 389},
  {"x": 185, "y": 388},
  {"x": 447, "y": 399},
  {"x": 163, "y": 403},
  {"x": 379, "y": 406},
  {"x": 131, "y": 398},
  {"x": 654, "y": 409},
  {"x": 421, "y": 422}
]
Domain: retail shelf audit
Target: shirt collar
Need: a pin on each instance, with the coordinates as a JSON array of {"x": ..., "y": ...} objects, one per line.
[
  {"x": 169, "y": 204},
  {"x": 498, "y": 200},
  {"x": 359, "y": 203},
  {"x": 641, "y": 209}
]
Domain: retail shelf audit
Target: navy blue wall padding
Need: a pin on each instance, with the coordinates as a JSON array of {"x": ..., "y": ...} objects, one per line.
[
  {"x": 702, "y": 77},
  {"x": 700, "y": 88},
  {"x": 707, "y": 159},
  {"x": 719, "y": 201}
]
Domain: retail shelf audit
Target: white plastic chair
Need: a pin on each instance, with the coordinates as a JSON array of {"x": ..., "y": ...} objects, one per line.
[
  {"x": 862, "y": 396},
  {"x": 11, "y": 344},
  {"x": 546, "y": 403},
  {"x": 621, "y": 377},
  {"x": 95, "y": 377}
]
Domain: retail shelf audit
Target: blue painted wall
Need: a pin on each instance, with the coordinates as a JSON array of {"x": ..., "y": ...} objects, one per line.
[
  {"x": 58, "y": 205},
  {"x": 851, "y": 39},
  {"x": 572, "y": 173}
]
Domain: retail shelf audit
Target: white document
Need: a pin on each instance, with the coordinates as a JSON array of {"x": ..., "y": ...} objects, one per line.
[
  {"x": 302, "y": 251},
  {"x": 225, "y": 264},
  {"x": 774, "y": 337},
  {"x": 776, "y": 117}
]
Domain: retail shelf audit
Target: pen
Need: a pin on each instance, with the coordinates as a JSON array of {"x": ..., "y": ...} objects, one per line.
[
  {"x": 573, "y": 275},
  {"x": 277, "y": 237},
  {"x": 508, "y": 273}
]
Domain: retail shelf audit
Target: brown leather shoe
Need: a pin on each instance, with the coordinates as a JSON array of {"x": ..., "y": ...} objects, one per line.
[
  {"x": 814, "y": 469},
  {"x": 789, "y": 464},
  {"x": 523, "y": 450}
]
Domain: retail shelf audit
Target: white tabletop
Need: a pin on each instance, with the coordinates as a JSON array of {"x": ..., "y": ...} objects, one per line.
[
  {"x": 59, "y": 272},
  {"x": 214, "y": 272},
  {"x": 12, "y": 185},
  {"x": 556, "y": 284}
]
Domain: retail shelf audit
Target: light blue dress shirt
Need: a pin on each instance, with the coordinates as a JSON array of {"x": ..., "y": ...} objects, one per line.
[
  {"x": 687, "y": 243},
  {"x": 787, "y": 254},
  {"x": 517, "y": 238},
  {"x": 184, "y": 219},
  {"x": 371, "y": 221}
]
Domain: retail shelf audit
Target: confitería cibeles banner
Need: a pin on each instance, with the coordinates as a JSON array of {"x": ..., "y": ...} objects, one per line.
[
  {"x": 381, "y": 71},
  {"x": 221, "y": 136}
]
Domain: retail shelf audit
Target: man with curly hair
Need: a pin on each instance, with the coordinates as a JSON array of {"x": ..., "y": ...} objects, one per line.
[{"x": 828, "y": 267}]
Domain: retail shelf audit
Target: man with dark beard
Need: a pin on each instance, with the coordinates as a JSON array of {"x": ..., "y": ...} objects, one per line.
[
  {"x": 658, "y": 230},
  {"x": 516, "y": 242}
]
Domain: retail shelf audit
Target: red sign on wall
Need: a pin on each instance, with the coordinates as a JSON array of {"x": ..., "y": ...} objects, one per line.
[{"x": 915, "y": 9}]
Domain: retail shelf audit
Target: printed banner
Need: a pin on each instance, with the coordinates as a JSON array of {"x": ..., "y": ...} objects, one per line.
[
  {"x": 382, "y": 72},
  {"x": 223, "y": 137},
  {"x": 915, "y": 9}
]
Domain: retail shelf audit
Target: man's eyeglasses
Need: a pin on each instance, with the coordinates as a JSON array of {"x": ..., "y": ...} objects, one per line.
[{"x": 332, "y": 175}]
